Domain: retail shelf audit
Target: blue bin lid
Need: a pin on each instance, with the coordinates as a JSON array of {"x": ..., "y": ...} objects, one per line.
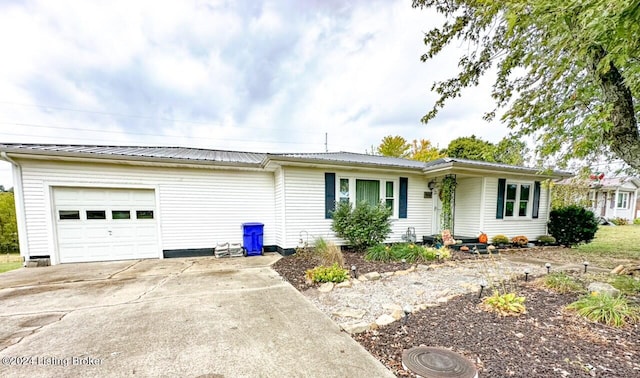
[{"x": 252, "y": 224}]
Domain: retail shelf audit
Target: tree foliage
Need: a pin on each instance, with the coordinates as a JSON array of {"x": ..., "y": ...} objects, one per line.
[
  {"x": 8, "y": 224},
  {"x": 394, "y": 146},
  {"x": 568, "y": 192},
  {"x": 423, "y": 150},
  {"x": 568, "y": 72},
  {"x": 508, "y": 151}
]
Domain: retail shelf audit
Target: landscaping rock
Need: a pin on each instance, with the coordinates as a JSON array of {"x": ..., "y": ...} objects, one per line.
[
  {"x": 326, "y": 287},
  {"x": 402, "y": 272},
  {"x": 391, "y": 306},
  {"x": 387, "y": 274},
  {"x": 372, "y": 276},
  {"x": 617, "y": 269},
  {"x": 491, "y": 248},
  {"x": 350, "y": 313},
  {"x": 603, "y": 288},
  {"x": 385, "y": 319},
  {"x": 355, "y": 327},
  {"x": 397, "y": 314},
  {"x": 344, "y": 284}
]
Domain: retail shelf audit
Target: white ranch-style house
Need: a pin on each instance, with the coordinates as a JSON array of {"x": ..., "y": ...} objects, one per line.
[{"x": 80, "y": 203}]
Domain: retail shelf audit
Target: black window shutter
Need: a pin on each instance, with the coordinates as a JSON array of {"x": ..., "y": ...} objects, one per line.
[
  {"x": 404, "y": 189},
  {"x": 536, "y": 200},
  {"x": 329, "y": 194},
  {"x": 502, "y": 186}
]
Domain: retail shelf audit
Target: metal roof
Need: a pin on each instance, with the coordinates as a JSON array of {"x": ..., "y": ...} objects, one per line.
[
  {"x": 178, "y": 153},
  {"x": 351, "y": 158},
  {"x": 450, "y": 162}
]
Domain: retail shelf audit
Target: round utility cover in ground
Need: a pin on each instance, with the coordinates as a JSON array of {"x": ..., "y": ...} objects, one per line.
[{"x": 429, "y": 362}]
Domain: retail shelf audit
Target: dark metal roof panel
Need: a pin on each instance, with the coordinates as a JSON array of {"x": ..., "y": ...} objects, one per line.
[{"x": 353, "y": 158}]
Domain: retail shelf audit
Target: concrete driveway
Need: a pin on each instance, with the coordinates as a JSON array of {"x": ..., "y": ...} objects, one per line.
[{"x": 193, "y": 317}]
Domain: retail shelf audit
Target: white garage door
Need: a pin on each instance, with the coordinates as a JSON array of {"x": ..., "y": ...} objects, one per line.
[{"x": 98, "y": 224}]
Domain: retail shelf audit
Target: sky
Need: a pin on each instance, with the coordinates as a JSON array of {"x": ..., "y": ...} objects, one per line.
[{"x": 254, "y": 75}]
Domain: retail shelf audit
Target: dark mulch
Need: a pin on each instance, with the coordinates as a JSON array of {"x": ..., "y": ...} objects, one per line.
[
  {"x": 292, "y": 268},
  {"x": 545, "y": 342}
]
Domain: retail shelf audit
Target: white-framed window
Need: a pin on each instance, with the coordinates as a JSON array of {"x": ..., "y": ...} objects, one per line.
[
  {"x": 518, "y": 199},
  {"x": 371, "y": 191},
  {"x": 623, "y": 201}
]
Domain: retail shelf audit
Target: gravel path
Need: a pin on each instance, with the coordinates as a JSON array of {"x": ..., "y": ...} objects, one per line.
[{"x": 427, "y": 285}]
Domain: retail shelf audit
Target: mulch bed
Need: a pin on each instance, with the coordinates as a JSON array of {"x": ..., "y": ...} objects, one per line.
[{"x": 545, "y": 342}]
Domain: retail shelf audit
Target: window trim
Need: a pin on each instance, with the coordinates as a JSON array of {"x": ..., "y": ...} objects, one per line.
[
  {"x": 626, "y": 197},
  {"x": 382, "y": 189},
  {"x": 516, "y": 202}
]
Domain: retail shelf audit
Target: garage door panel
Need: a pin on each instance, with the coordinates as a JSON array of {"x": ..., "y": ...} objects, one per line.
[{"x": 118, "y": 236}]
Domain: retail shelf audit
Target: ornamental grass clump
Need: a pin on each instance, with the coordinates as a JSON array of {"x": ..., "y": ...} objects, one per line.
[
  {"x": 606, "y": 309},
  {"x": 561, "y": 283},
  {"x": 328, "y": 252}
]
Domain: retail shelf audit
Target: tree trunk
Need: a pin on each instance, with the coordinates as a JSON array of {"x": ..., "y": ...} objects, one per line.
[{"x": 623, "y": 138}]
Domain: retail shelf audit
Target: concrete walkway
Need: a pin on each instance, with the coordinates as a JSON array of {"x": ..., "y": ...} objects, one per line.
[{"x": 195, "y": 317}]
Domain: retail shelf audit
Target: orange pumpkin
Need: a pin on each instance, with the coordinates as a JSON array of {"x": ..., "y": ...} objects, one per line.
[{"x": 483, "y": 238}]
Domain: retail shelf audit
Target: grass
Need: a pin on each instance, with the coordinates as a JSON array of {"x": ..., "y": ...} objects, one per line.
[
  {"x": 560, "y": 282},
  {"x": 612, "y": 311},
  {"x": 10, "y": 261},
  {"x": 615, "y": 241}
]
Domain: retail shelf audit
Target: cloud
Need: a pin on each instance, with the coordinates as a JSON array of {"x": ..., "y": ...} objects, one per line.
[{"x": 249, "y": 75}]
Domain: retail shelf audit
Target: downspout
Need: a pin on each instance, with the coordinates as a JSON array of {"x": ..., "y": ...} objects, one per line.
[{"x": 18, "y": 194}]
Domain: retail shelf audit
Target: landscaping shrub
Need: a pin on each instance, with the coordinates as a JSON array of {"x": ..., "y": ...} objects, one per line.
[
  {"x": 500, "y": 239},
  {"x": 507, "y": 304},
  {"x": 560, "y": 282},
  {"x": 572, "y": 225},
  {"x": 619, "y": 221},
  {"x": 602, "y": 308},
  {"x": 431, "y": 254},
  {"x": 379, "y": 252},
  {"x": 636, "y": 221},
  {"x": 411, "y": 253},
  {"x": 406, "y": 251},
  {"x": 363, "y": 226},
  {"x": 546, "y": 239},
  {"x": 329, "y": 252},
  {"x": 333, "y": 273}
]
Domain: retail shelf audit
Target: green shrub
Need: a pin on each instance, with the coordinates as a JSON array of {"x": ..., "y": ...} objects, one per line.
[
  {"x": 328, "y": 252},
  {"x": 431, "y": 254},
  {"x": 500, "y": 239},
  {"x": 602, "y": 308},
  {"x": 560, "y": 282},
  {"x": 363, "y": 226},
  {"x": 407, "y": 251},
  {"x": 508, "y": 304},
  {"x": 379, "y": 252},
  {"x": 618, "y": 221},
  {"x": 546, "y": 239},
  {"x": 572, "y": 225},
  {"x": 636, "y": 221},
  {"x": 333, "y": 273}
]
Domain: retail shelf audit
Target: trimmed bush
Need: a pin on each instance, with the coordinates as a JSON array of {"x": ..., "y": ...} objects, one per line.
[
  {"x": 546, "y": 239},
  {"x": 636, "y": 221},
  {"x": 333, "y": 273},
  {"x": 572, "y": 225},
  {"x": 363, "y": 226},
  {"x": 500, "y": 239}
]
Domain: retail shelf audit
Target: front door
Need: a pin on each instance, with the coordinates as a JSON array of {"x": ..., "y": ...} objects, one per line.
[{"x": 436, "y": 223}]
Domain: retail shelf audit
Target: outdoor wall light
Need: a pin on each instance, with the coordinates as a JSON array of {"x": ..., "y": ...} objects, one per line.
[
  {"x": 586, "y": 264},
  {"x": 548, "y": 266},
  {"x": 526, "y": 275},
  {"x": 431, "y": 185},
  {"x": 483, "y": 284},
  {"x": 354, "y": 271},
  {"x": 408, "y": 309}
]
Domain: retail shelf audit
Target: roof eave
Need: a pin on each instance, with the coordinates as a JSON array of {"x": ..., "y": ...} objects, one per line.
[
  {"x": 481, "y": 168},
  {"x": 279, "y": 159}
]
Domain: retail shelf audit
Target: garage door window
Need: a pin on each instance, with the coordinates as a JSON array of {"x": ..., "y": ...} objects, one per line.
[
  {"x": 144, "y": 214},
  {"x": 120, "y": 214},
  {"x": 96, "y": 214},
  {"x": 69, "y": 214}
]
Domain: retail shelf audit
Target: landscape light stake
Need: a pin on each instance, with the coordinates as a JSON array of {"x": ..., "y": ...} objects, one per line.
[
  {"x": 586, "y": 264},
  {"x": 407, "y": 311},
  {"x": 438, "y": 256},
  {"x": 526, "y": 275},
  {"x": 354, "y": 271},
  {"x": 548, "y": 266},
  {"x": 483, "y": 283}
]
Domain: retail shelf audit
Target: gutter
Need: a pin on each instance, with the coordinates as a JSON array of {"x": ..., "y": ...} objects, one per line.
[{"x": 18, "y": 194}]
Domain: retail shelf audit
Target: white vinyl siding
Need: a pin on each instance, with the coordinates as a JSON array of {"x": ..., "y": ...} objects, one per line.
[
  {"x": 279, "y": 209},
  {"x": 513, "y": 226},
  {"x": 468, "y": 206},
  {"x": 198, "y": 207},
  {"x": 305, "y": 194}
]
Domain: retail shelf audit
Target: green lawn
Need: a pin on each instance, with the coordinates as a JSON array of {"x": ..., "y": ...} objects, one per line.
[
  {"x": 10, "y": 261},
  {"x": 615, "y": 241}
]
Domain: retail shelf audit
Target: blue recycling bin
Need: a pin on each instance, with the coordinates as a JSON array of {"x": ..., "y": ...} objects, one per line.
[{"x": 252, "y": 238}]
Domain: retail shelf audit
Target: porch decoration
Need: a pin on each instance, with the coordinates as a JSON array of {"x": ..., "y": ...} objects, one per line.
[
  {"x": 483, "y": 238},
  {"x": 447, "y": 196}
]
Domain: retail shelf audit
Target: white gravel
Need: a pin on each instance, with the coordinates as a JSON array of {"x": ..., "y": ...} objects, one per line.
[{"x": 425, "y": 286}]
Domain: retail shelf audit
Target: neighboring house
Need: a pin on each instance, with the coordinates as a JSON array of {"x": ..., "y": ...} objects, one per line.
[
  {"x": 615, "y": 197},
  {"x": 95, "y": 203}
]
